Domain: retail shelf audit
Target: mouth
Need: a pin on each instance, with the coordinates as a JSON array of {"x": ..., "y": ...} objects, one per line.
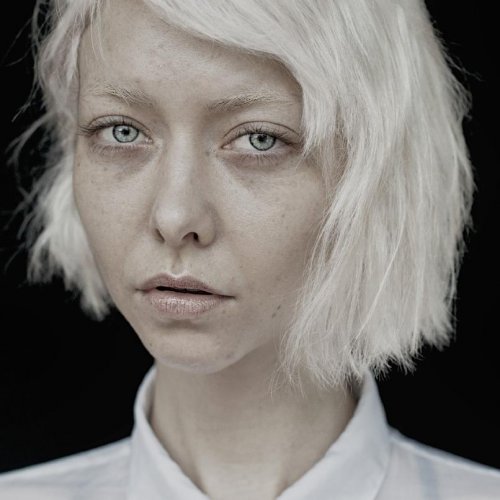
[
  {"x": 181, "y": 303},
  {"x": 182, "y": 290},
  {"x": 177, "y": 285}
]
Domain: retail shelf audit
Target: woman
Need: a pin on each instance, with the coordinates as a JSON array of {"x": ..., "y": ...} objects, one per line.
[{"x": 274, "y": 196}]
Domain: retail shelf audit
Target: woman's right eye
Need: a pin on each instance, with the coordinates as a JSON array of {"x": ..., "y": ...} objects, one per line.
[
  {"x": 124, "y": 133},
  {"x": 114, "y": 135},
  {"x": 115, "y": 131}
]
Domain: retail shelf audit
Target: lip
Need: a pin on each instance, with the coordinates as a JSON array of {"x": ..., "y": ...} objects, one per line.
[
  {"x": 180, "y": 305},
  {"x": 186, "y": 281}
]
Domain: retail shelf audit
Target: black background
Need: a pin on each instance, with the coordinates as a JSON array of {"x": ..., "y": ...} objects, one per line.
[{"x": 68, "y": 383}]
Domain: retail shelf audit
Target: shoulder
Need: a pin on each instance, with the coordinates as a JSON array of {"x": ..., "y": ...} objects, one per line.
[
  {"x": 419, "y": 472},
  {"x": 99, "y": 471}
]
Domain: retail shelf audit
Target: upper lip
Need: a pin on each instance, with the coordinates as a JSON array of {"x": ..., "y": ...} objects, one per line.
[{"x": 170, "y": 281}]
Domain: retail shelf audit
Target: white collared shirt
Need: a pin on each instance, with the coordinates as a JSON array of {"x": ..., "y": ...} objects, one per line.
[{"x": 369, "y": 461}]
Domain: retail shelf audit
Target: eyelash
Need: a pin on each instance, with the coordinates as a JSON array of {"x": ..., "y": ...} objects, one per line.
[
  {"x": 260, "y": 158},
  {"x": 91, "y": 130},
  {"x": 264, "y": 156}
]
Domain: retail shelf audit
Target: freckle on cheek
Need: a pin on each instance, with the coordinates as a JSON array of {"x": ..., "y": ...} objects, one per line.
[{"x": 275, "y": 312}]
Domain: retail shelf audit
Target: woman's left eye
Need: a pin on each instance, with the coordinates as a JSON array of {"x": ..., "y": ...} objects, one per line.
[
  {"x": 260, "y": 141},
  {"x": 255, "y": 140}
]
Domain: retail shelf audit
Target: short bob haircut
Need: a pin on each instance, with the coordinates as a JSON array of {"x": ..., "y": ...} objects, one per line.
[{"x": 382, "y": 119}]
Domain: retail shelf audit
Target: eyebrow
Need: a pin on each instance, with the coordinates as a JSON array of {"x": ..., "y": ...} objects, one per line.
[
  {"x": 249, "y": 98},
  {"x": 135, "y": 96},
  {"x": 131, "y": 96}
]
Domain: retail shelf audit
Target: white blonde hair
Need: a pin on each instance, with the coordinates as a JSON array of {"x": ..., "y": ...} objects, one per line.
[{"x": 382, "y": 115}]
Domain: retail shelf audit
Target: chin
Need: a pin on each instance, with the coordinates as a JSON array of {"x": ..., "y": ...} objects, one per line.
[
  {"x": 193, "y": 353},
  {"x": 196, "y": 365},
  {"x": 193, "y": 367}
]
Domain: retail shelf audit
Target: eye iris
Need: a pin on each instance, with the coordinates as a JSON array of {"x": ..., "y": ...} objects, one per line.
[
  {"x": 125, "y": 133},
  {"x": 262, "y": 142}
]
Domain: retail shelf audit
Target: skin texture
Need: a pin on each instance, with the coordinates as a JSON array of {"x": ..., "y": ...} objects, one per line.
[{"x": 188, "y": 196}]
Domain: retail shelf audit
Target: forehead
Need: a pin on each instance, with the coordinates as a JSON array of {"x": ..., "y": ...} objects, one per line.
[{"x": 132, "y": 46}]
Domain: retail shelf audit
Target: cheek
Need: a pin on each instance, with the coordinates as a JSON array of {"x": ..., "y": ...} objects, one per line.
[
  {"x": 284, "y": 234},
  {"x": 101, "y": 216},
  {"x": 86, "y": 198},
  {"x": 299, "y": 207},
  {"x": 275, "y": 255}
]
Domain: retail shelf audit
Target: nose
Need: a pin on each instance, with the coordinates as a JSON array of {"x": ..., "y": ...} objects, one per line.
[{"x": 181, "y": 211}]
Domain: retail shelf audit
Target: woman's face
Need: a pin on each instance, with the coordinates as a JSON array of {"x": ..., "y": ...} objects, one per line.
[{"x": 175, "y": 173}]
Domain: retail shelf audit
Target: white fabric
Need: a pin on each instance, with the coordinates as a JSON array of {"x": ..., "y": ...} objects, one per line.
[{"x": 369, "y": 461}]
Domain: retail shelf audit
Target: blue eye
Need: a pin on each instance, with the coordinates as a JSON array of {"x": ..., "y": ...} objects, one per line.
[
  {"x": 125, "y": 133},
  {"x": 261, "y": 141}
]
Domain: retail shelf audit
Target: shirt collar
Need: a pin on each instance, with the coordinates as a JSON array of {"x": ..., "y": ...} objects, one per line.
[{"x": 353, "y": 467}]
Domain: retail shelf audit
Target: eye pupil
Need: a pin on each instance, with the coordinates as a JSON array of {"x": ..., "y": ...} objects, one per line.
[
  {"x": 125, "y": 133},
  {"x": 262, "y": 142}
]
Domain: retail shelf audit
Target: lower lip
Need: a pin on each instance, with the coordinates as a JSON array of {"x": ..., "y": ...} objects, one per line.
[{"x": 179, "y": 305}]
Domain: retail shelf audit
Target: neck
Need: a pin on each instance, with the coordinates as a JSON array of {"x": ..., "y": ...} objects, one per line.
[{"x": 233, "y": 438}]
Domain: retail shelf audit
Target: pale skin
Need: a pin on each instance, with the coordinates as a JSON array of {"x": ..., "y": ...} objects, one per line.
[{"x": 188, "y": 192}]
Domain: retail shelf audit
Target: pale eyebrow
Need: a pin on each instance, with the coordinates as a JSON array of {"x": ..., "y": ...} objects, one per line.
[
  {"x": 251, "y": 98},
  {"x": 135, "y": 96},
  {"x": 131, "y": 96}
]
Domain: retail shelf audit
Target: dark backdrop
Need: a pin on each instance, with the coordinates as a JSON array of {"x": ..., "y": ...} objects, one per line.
[{"x": 67, "y": 383}]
